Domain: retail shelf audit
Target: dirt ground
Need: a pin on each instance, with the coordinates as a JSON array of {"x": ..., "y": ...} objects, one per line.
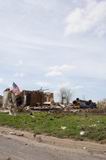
[{"x": 79, "y": 148}]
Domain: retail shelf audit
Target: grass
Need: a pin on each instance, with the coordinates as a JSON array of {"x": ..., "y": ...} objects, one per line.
[{"x": 59, "y": 125}]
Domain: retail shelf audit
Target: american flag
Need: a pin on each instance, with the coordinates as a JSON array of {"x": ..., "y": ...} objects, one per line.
[{"x": 15, "y": 89}]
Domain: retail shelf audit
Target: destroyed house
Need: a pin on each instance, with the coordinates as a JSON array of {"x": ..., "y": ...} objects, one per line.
[{"x": 37, "y": 98}]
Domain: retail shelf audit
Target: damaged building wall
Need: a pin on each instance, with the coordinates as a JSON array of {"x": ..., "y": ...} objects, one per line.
[
  {"x": 36, "y": 98},
  {"x": 48, "y": 98}
]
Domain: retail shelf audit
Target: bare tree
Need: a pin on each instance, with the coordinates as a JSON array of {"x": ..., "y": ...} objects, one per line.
[{"x": 65, "y": 95}]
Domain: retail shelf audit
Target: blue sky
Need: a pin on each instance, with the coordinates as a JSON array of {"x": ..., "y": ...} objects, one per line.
[{"x": 54, "y": 44}]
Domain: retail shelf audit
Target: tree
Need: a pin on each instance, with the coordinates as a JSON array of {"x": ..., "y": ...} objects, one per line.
[{"x": 65, "y": 95}]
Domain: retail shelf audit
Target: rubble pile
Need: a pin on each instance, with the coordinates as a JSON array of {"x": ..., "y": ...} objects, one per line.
[{"x": 39, "y": 99}]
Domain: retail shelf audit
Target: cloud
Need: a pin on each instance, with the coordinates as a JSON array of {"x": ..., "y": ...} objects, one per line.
[
  {"x": 64, "y": 84},
  {"x": 77, "y": 87},
  {"x": 89, "y": 18},
  {"x": 70, "y": 85},
  {"x": 59, "y": 70},
  {"x": 32, "y": 40},
  {"x": 43, "y": 83},
  {"x": 19, "y": 63},
  {"x": 19, "y": 75}
]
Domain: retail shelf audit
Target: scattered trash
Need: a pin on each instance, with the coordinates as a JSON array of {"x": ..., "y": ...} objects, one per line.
[
  {"x": 26, "y": 144},
  {"x": 16, "y": 134},
  {"x": 38, "y": 139},
  {"x": 34, "y": 135},
  {"x": 84, "y": 148},
  {"x": 12, "y": 133},
  {"x": 32, "y": 116},
  {"x": 20, "y": 134},
  {"x": 62, "y": 105},
  {"x": 63, "y": 127},
  {"x": 93, "y": 125},
  {"x": 82, "y": 133}
]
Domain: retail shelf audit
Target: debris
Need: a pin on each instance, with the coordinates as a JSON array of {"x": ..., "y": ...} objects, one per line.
[
  {"x": 84, "y": 148},
  {"x": 37, "y": 98},
  {"x": 34, "y": 135},
  {"x": 20, "y": 134},
  {"x": 93, "y": 125},
  {"x": 26, "y": 144},
  {"x": 78, "y": 103},
  {"x": 32, "y": 116},
  {"x": 62, "y": 105},
  {"x": 39, "y": 139},
  {"x": 63, "y": 127},
  {"x": 12, "y": 133},
  {"x": 82, "y": 133},
  {"x": 16, "y": 134}
]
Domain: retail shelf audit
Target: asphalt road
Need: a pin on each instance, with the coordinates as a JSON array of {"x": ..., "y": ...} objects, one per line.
[{"x": 15, "y": 149}]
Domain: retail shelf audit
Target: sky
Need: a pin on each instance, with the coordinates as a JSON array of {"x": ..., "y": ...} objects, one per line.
[{"x": 54, "y": 44}]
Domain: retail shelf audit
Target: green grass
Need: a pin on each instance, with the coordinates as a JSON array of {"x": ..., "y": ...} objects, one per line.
[{"x": 94, "y": 126}]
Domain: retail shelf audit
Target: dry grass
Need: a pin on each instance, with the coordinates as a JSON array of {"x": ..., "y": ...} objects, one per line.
[{"x": 101, "y": 105}]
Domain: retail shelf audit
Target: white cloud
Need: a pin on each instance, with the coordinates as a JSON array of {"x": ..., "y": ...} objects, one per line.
[
  {"x": 19, "y": 63},
  {"x": 35, "y": 41},
  {"x": 54, "y": 73},
  {"x": 59, "y": 70},
  {"x": 43, "y": 83},
  {"x": 65, "y": 84},
  {"x": 89, "y": 18},
  {"x": 19, "y": 75},
  {"x": 77, "y": 87},
  {"x": 70, "y": 85}
]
